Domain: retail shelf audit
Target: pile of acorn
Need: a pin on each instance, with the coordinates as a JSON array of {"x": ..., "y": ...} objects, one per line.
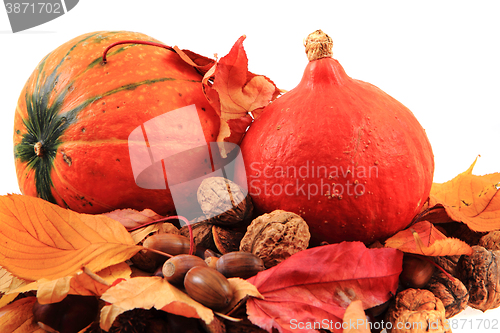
[{"x": 203, "y": 279}]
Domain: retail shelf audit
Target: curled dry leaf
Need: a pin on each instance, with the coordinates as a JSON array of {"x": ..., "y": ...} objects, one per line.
[
  {"x": 355, "y": 319},
  {"x": 17, "y": 317},
  {"x": 83, "y": 283},
  {"x": 473, "y": 200},
  {"x": 424, "y": 238},
  {"x": 9, "y": 282},
  {"x": 235, "y": 93},
  {"x": 321, "y": 282},
  {"x": 131, "y": 218},
  {"x": 41, "y": 240}
]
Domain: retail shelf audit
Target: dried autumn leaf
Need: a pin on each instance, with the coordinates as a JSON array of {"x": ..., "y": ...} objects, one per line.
[
  {"x": 131, "y": 218},
  {"x": 424, "y": 238},
  {"x": 17, "y": 317},
  {"x": 471, "y": 199},
  {"x": 9, "y": 282},
  {"x": 355, "y": 319},
  {"x": 147, "y": 293},
  {"x": 235, "y": 93},
  {"x": 41, "y": 240},
  {"x": 319, "y": 284}
]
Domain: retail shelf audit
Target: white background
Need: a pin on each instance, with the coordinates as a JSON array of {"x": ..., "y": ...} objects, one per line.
[{"x": 439, "y": 58}]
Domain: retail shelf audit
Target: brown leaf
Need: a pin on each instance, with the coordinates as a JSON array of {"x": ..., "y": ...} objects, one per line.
[
  {"x": 17, "y": 317},
  {"x": 424, "y": 238},
  {"x": 235, "y": 93},
  {"x": 41, "y": 240},
  {"x": 147, "y": 293},
  {"x": 471, "y": 199},
  {"x": 320, "y": 283},
  {"x": 131, "y": 218},
  {"x": 355, "y": 319}
]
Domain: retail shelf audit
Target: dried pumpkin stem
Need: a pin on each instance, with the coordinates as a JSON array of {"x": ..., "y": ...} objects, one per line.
[
  {"x": 104, "y": 55},
  {"x": 318, "y": 45}
]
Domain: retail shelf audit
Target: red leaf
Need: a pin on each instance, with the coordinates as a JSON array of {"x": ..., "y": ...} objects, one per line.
[
  {"x": 318, "y": 284},
  {"x": 235, "y": 93}
]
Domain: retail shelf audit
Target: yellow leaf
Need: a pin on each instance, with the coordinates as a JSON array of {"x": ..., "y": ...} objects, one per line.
[
  {"x": 241, "y": 289},
  {"x": 355, "y": 319},
  {"x": 471, "y": 199},
  {"x": 17, "y": 317},
  {"x": 9, "y": 282},
  {"x": 6, "y": 299},
  {"x": 423, "y": 238},
  {"x": 147, "y": 293},
  {"x": 41, "y": 240}
]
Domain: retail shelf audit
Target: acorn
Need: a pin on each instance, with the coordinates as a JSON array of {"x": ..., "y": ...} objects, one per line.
[
  {"x": 212, "y": 262},
  {"x": 416, "y": 272},
  {"x": 70, "y": 315},
  {"x": 175, "y": 268},
  {"x": 240, "y": 264},
  {"x": 208, "y": 287},
  {"x": 168, "y": 243}
]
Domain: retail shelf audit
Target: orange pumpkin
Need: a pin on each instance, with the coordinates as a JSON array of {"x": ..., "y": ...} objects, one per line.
[
  {"x": 75, "y": 114},
  {"x": 351, "y": 160}
]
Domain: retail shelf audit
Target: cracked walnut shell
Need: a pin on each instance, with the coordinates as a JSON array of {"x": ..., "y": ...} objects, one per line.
[
  {"x": 452, "y": 292},
  {"x": 224, "y": 202},
  {"x": 417, "y": 311},
  {"x": 276, "y": 236},
  {"x": 480, "y": 273}
]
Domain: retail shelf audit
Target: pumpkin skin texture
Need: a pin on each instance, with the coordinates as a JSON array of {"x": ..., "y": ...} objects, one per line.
[
  {"x": 334, "y": 133},
  {"x": 82, "y": 111}
]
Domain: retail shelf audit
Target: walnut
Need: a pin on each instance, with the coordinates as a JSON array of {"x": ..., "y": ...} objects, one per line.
[
  {"x": 491, "y": 240},
  {"x": 202, "y": 234},
  {"x": 224, "y": 202},
  {"x": 480, "y": 274},
  {"x": 276, "y": 236},
  {"x": 226, "y": 240},
  {"x": 415, "y": 311},
  {"x": 451, "y": 291},
  {"x": 448, "y": 263}
]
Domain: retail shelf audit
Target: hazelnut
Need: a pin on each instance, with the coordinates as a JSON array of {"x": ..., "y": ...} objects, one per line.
[
  {"x": 240, "y": 264},
  {"x": 417, "y": 272},
  {"x": 208, "y": 287},
  {"x": 175, "y": 268}
]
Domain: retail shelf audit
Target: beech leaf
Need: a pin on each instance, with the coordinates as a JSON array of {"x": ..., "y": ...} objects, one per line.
[
  {"x": 17, "y": 317},
  {"x": 235, "y": 93},
  {"x": 473, "y": 200},
  {"x": 319, "y": 284},
  {"x": 40, "y": 240},
  {"x": 355, "y": 319},
  {"x": 424, "y": 238}
]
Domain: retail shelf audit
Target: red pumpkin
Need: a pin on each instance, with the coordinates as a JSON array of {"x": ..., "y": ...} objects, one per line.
[
  {"x": 350, "y": 159},
  {"x": 75, "y": 115}
]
